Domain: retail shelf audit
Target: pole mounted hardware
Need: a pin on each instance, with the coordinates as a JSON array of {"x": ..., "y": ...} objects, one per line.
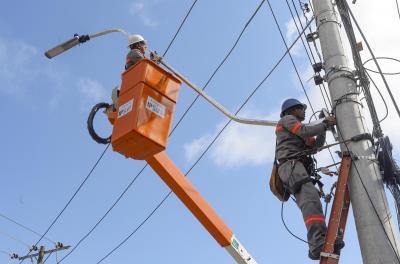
[
  {"x": 311, "y": 37},
  {"x": 317, "y": 67}
]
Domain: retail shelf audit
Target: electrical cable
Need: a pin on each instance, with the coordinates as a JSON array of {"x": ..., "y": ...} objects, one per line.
[
  {"x": 382, "y": 58},
  {"x": 25, "y": 227},
  {"x": 107, "y": 212},
  {"x": 294, "y": 65},
  {"x": 312, "y": 61},
  {"x": 398, "y": 9},
  {"x": 5, "y": 252},
  {"x": 208, "y": 147},
  {"x": 179, "y": 28},
  {"x": 70, "y": 200},
  {"x": 374, "y": 58},
  {"x": 165, "y": 52},
  {"x": 177, "y": 124},
  {"x": 315, "y": 47},
  {"x": 15, "y": 239},
  {"x": 383, "y": 99},
  {"x": 369, "y": 197}
]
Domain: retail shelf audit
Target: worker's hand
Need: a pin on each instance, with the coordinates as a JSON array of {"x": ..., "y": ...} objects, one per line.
[
  {"x": 330, "y": 121},
  {"x": 155, "y": 57}
]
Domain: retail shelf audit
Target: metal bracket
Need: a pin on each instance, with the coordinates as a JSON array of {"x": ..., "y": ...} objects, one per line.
[
  {"x": 329, "y": 255},
  {"x": 311, "y": 37}
]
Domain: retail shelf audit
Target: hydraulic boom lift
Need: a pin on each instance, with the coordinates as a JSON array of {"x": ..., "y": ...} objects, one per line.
[{"x": 142, "y": 121}]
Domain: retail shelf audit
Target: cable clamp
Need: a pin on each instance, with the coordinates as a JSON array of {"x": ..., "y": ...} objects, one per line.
[
  {"x": 325, "y": 20},
  {"x": 329, "y": 255}
]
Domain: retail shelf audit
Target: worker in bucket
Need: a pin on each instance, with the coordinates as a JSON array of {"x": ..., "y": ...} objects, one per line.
[
  {"x": 294, "y": 141},
  {"x": 138, "y": 47}
]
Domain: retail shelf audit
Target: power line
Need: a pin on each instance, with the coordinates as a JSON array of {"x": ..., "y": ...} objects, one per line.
[
  {"x": 382, "y": 58},
  {"x": 370, "y": 199},
  {"x": 304, "y": 45},
  {"x": 294, "y": 65},
  {"x": 179, "y": 121},
  {"x": 208, "y": 147},
  {"x": 15, "y": 239},
  {"x": 179, "y": 28},
  {"x": 381, "y": 95},
  {"x": 5, "y": 252},
  {"x": 108, "y": 211},
  {"x": 398, "y": 9},
  {"x": 25, "y": 227},
  {"x": 70, "y": 200},
  {"x": 374, "y": 58}
]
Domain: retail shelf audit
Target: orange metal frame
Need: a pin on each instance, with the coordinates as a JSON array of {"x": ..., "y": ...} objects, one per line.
[{"x": 339, "y": 212}]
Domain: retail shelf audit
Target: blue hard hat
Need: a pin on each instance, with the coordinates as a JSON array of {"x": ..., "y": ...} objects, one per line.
[{"x": 289, "y": 103}]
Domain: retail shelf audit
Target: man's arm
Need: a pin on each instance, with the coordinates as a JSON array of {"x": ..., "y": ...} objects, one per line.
[{"x": 295, "y": 127}]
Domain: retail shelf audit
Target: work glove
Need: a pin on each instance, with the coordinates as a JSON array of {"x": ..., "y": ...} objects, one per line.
[
  {"x": 330, "y": 121},
  {"x": 155, "y": 57}
]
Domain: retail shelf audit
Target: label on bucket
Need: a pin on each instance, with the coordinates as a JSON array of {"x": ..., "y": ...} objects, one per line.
[
  {"x": 125, "y": 108},
  {"x": 155, "y": 107}
]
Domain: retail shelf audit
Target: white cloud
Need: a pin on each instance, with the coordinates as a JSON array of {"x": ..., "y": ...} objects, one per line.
[
  {"x": 141, "y": 9},
  {"x": 238, "y": 145},
  {"x": 292, "y": 33},
  {"x": 16, "y": 65},
  {"x": 91, "y": 89}
]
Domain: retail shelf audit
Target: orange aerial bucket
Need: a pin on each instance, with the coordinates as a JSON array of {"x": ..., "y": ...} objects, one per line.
[{"x": 145, "y": 110}]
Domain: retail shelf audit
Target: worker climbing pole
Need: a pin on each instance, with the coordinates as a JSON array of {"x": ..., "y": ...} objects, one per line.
[{"x": 377, "y": 236}]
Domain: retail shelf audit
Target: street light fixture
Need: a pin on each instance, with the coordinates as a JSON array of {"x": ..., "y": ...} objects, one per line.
[{"x": 76, "y": 40}]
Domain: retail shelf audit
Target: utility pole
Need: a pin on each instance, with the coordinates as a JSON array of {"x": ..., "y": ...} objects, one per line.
[
  {"x": 377, "y": 235},
  {"x": 42, "y": 253}
]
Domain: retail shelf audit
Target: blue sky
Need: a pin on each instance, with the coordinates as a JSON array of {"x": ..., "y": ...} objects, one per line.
[{"x": 47, "y": 151}]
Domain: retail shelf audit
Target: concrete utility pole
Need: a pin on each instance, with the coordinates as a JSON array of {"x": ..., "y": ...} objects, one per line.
[{"x": 378, "y": 237}]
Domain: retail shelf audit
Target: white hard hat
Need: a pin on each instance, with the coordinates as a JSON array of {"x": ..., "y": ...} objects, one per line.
[{"x": 132, "y": 39}]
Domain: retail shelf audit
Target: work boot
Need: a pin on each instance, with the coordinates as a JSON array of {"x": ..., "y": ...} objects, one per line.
[{"x": 313, "y": 256}]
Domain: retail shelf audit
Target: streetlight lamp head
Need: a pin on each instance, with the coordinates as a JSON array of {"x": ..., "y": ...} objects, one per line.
[{"x": 66, "y": 45}]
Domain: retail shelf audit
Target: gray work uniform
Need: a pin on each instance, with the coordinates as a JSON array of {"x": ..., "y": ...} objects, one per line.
[
  {"x": 293, "y": 137},
  {"x": 133, "y": 57}
]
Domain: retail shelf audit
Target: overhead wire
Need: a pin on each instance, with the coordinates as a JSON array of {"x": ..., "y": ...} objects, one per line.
[
  {"x": 179, "y": 28},
  {"x": 382, "y": 58},
  {"x": 181, "y": 118},
  {"x": 25, "y": 227},
  {"x": 374, "y": 58},
  {"x": 370, "y": 199},
  {"x": 294, "y": 65},
  {"x": 381, "y": 95},
  {"x": 302, "y": 85},
  {"x": 208, "y": 147},
  {"x": 5, "y": 252},
  {"x": 165, "y": 52},
  {"x": 310, "y": 55},
  {"x": 360, "y": 178},
  {"x": 15, "y": 239},
  {"x": 70, "y": 200},
  {"x": 398, "y": 9}
]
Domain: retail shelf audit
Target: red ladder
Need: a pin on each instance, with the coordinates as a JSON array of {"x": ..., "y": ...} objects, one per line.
[{"x": 339, "y": 212}]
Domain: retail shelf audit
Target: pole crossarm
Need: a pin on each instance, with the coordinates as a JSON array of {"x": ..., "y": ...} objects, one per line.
[{"x": 45, "y": 252}]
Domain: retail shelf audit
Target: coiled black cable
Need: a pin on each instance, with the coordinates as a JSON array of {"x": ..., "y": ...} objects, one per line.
[{"x": 91, "y": 130}]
